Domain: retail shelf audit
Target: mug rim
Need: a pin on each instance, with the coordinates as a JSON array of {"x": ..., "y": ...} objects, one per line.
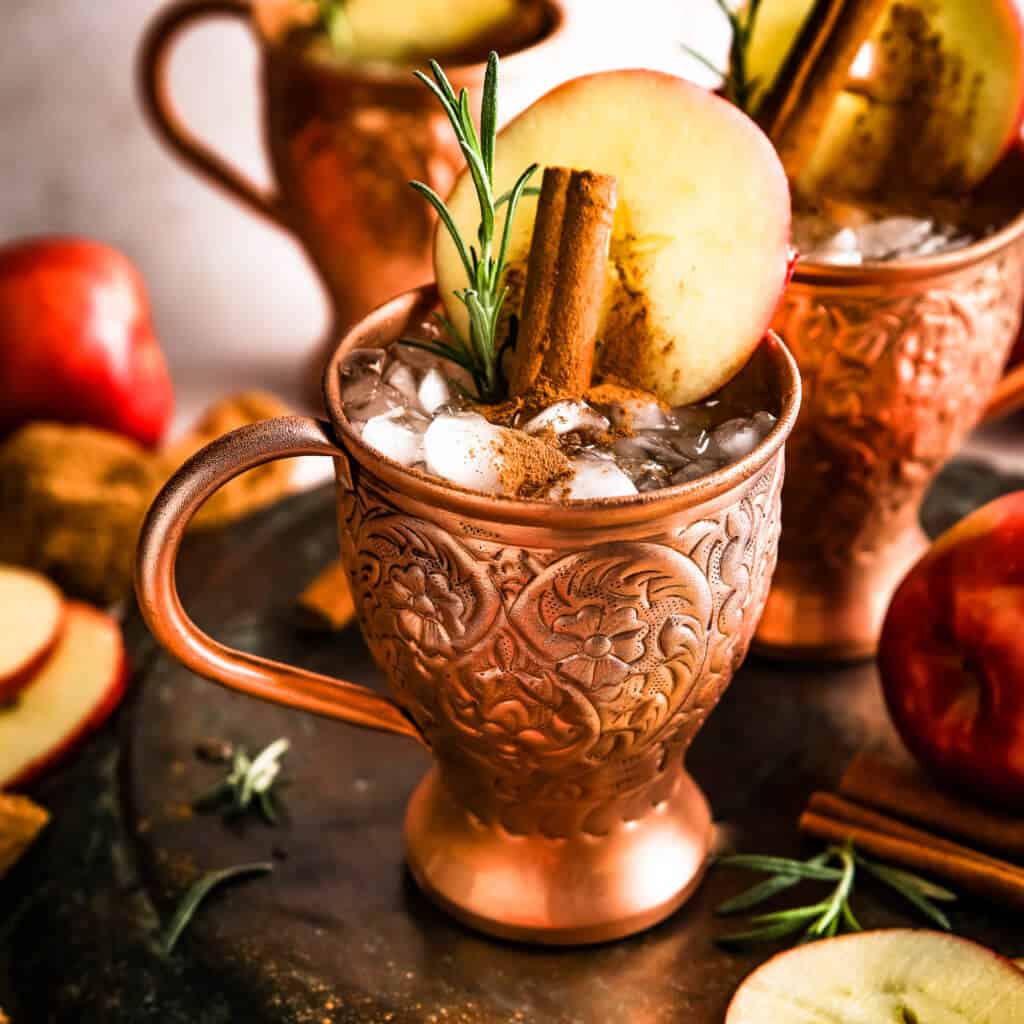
[
  {"x": 885, "y": 272},
  {"x": 380, "y": 72},
  {"x": 373, "y": 332}
]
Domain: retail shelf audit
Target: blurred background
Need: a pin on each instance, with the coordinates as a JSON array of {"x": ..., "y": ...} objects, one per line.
[{"x": 235, "y": 302}]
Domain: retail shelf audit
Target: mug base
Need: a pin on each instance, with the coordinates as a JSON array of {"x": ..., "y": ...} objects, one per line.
[
  {"x": 813, "y": 614},
  {"x": 574, "y": 891}
]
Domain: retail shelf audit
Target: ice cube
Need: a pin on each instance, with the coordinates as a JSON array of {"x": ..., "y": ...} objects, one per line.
[
  {"x": 398, "y": 434},
  {"x": 568, "y": 416},
  {"x": 694, "y": 470},
  {"x": 691, "y": 443},
  {"x": 369, "y": 397},
  {"x": 638, "y": 414},
  {"x": 400, "y": 376},
  {"x": 434, "y": 391},
  {"x": 595, "y": 477},
  {"x": 893, "y": 236},
  {"x": 363, "y": 362},
  {"x": 734, "y": 439},
  {"x": 764, "y": 423},
  {"x": 463, "y": 449}
]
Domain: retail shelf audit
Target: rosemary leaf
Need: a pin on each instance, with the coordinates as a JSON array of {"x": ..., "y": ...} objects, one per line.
[
  {"x": 193, "y": 899},
  {"x": 765, "y": 890},
  {"x": 782, "y": 866},
  {"x": 898, "y": 877},
  {"x": 911, "y": 893},
  {"x": 740, "y": 940}
]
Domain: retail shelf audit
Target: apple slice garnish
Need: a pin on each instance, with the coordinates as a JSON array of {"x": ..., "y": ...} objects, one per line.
[
  {"x": 699, "y": 251},
  {"x": 72, "y": 693},
  {"x": 31, "y": 616},
  {"x": 933, "y": 99},
  {"x": 897, "y": 975}
]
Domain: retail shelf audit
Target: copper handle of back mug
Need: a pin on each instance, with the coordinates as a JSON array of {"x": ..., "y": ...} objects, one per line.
[
  {"x": 165, "y": 525},
  {"x": 344, "y": 139},
  {"x": 154, "y": 87}
]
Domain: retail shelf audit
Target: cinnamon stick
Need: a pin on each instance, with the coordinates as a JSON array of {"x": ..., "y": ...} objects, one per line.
[
  {"x": 817, "y": 69},
  {"x": 565, "y": 282},
  {"x": 904, "y": 792},
  {"x": 920, "y": 851}
]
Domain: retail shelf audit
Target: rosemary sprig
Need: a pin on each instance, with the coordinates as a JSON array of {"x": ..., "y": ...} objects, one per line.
[
  {"x": 825, "y": 918},
  {"x": 248, "y": 781},
  {"x": 335, "y": 24},
  {"x": 198, "y": 892},
  {"x": 737, "y": 85},
  {"x": 485, "y": 261}
]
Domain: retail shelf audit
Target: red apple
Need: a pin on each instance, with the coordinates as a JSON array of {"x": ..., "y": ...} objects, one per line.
[
  {"x": 76, "y": 341},
  {"x": 72, "y": 694},
  {"x": 31, "y": 619},
  {"x": 951, "y": 655}
]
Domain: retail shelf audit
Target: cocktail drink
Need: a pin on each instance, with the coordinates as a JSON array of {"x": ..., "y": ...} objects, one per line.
[
  {"x": 897, "y": 124},
  {"x": 559, "y": 477}
]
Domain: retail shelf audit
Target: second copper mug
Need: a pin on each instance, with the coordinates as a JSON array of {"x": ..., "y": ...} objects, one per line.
[
  {"x": 344, "y": 141},
  {"x": 557, "y": 660},
  {"x": 899, "y": 362}
]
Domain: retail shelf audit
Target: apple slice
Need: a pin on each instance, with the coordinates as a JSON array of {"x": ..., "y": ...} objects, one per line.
[
  {"x": 31, "y": 616},
  {"x": 899, "y": 975},
  {"x": 935, "y": 98},
  {"x": 71, "y": 695},
  {"x": 699, "y": 252}
]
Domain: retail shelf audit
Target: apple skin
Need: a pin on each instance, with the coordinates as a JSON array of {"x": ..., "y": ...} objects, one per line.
[
  {"x": 951, "y": 655},
  {"x": 76, "y": 341},
  {"x": 115, "y": 688}
]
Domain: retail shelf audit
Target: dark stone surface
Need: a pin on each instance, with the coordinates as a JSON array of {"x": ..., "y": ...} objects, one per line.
[{"x": 339, "y": 933}]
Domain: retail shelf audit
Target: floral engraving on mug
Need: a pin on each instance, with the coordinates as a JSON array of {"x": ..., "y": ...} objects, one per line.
[
  {"x": 559, "y": 690},
  {"x": 891, "y": 385}
]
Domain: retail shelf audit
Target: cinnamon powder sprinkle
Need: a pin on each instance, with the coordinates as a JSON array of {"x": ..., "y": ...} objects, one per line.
[{"x": 529, "y": 466}]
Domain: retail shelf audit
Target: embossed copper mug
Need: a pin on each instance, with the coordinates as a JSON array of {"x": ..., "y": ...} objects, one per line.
[
  {"x": 557, "y": 660},
  {"x": 344, "y": 140},
  {"x": 899, "y": 362}
]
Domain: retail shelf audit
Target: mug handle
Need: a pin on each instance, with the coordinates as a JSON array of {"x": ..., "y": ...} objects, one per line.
[
  {"x": 1008, "y": 396},
  {"x": 202, "y": 475},
  {"x": 154, "y": 57}
]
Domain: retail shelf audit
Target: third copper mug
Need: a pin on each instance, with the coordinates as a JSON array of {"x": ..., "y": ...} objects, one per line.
[
  {"x": 899, "y": 361},
  {"x": 557, "y": 660},
  {"x": 344, "y": 140}
]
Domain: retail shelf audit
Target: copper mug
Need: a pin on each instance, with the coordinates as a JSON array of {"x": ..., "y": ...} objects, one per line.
[
  {"x": 899, "y": 362},
  {"x": 556, "y": 660},
  {"x": 344, "y": 141}
]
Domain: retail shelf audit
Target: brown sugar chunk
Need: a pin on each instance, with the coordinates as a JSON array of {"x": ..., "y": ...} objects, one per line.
[{"x": 21, "y": 821}]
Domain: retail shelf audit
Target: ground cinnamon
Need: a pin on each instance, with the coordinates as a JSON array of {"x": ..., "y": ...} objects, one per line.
[
  {"x": 565, "y": 282},
  {"x": 836, "y": 820},
  {"x": 902, "y": 790},
  {"x": 796, "y": 107}
]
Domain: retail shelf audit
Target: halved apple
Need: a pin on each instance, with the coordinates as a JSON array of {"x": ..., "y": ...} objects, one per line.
[
  {"x": 74, "y": 691},
  {"x": 699, "y": 252},
  {"x": 900, "y": 975},
  {"x": 31, "y": 616}
]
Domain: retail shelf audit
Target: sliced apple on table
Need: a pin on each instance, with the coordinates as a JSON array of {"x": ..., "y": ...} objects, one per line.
[
  {"x": 900, "y": 975},
  {"x": 31, "y": 617},
  {"x": 699, "y": 251},
  {"x": 71, "y": 694}
]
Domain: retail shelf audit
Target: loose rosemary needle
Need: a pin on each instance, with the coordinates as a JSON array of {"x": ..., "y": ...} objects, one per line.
[
  {"x": 249, "y": 781},
  {"x": 193, "y": 899}
]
